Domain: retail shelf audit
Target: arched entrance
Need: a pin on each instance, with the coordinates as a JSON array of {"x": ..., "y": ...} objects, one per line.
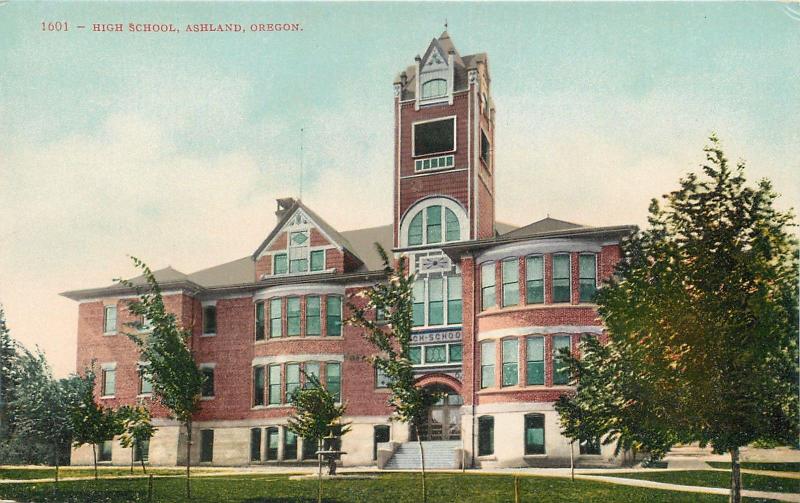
[{"x": 443, "y": 419}]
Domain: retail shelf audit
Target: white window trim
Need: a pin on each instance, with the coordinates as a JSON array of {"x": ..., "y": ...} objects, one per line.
[
  {"x": 423, "y": 205},
  {"x": 447, "y": 352},
  {"x": 552, "y": 259},
  {"x": 106, "y": 307},
  {"x": 503, "y": 283},
  {"x": 108, "y": 366},
  {"x": 437, "y": 119}
]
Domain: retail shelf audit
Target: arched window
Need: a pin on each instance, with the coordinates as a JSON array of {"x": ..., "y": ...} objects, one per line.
[
  {"x": 435, "y": 219},
  {"x": 434, "y": 88}
]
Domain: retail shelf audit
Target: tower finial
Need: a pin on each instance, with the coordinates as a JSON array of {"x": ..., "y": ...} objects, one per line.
[{"x": 445, "y": 24}]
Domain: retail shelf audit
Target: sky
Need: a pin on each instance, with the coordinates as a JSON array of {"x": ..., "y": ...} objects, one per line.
[{"x": 173, "y": 147}]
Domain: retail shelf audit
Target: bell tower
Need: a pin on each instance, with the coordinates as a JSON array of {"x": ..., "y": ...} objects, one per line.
[{"x": 444, "y": 148}]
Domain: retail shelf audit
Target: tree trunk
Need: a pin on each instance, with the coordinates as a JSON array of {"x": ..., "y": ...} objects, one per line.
[
  {"x": 188, "y": 457},
  {"x": 736, "y": 477},
  {"x": 141, "y": 459},
  {"x": 94, "y": 454},
  {"x": 572, "y": 460},
  {"x": 422, "y": 464},
  {"x": 133, "y": 451},
  {"x": 319, "y": 471}
]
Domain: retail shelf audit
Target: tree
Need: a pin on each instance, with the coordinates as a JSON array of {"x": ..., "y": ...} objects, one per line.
[
  {"x": 8, "y": 364},
  {"x": 177, "y": 381},
  {"x": 137, "y": 428},
  {"x": 42, "y": 405},
  {"x": 316, "y": 416},
  {"x": 702, "y": 321},
  {"x": 92, "y": 423},
  {"x": 392, "y": 341}
]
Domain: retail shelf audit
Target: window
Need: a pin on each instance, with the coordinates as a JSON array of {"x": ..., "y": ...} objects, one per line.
[
  {"x": 298, "y": 251},
  {"x": 486, "y": 149},
  {"x": 487, "y": 286},
  {"x": 255, "y": 444},
  {"x": 275, "y": 328},
  {"x": 434, "y": 88},
  {"x": 258, "y": 386},
  {"x": 274, "y": 384},
  {"x": 311, "y": 369},
  {"x": 418, "y": 307},
  {"x": 433, "y": 227},
  {"x": 434, "y": 137},
  {"x": 535, "y": 368},
  {"x": 380, "y": 436},
  {"x": 487, "y": 364},
  {"x": 145, "y": 385},
  {"x": 312, "y": 316},
  {"x": 485, "y": 435},
  {"x": 317, "y": 260},
  {"x": 452, "y": 227},
  {"x": 310, "y": 448},
  {"x": 510, "y": 362},
  {"x": 280, "y": 264},
  {"x": 104, "y": 451},
  {"x": 141, "y": 451},
  {"x": 206, "y": 446},
  {"x": 534, "y": 434},
  {"x": 561, "y": 278},
  {"x": 209, "y": 320},
  {"x": 292, "y": 316},
  {"x": 590, "y": 446},
  {"x": 208, "y": 382},
  {"x": 534, "y": 280},
  {"x": 435, "y": 301},
  {"x": 110, "y": 319},
  {"x": 292, "y": 379},
  {"x": 333, "y": 318},
  {"x": 109, "y": 382},
  {"x": 333, "y": 379},
  {"x": 453, "y": 300},
  {"x": 560, "y": 371},
  {"x": 588, "y": 276},
  {"x": 381, "y": 379},
  {"x": 273, "y": 437},
  {"x": 415, "y": 354},
  {"x": 510, "y": 268},
  {"x": 456, "y": 352},
  {"x": 289, "y": 444},
  {"x": 260, "y": 321},
  {"x": 436, "y": 354},
  {"x": 415, "y": 230}
]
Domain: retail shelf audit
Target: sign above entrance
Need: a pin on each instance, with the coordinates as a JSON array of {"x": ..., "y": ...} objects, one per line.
[{"x": 436, "y": 336}]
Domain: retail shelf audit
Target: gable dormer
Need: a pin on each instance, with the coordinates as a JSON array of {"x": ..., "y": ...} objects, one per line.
[
  {"x": 302, "y": 243},
  {"x": 436, "y": 74}
]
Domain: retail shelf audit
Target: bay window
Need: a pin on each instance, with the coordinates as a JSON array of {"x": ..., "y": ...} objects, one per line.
[
  {"x": 313, "y": 316},
  {"x": 274, "y": 384},
  {"x": 561, "y": 277},
  {"x": 510, "y": 362},
  {"x": 487, "y": 286},
  {"x": 587, "y": 265},
  {"x": 510, "y": 271},
  {"x": 275, "y": 322},
  {"x": 560, "y": 370},
  {"x": 535, "y": 360},
  {"x": 487, "y": 364},
  {"x": 534, "y": 279},
  {"x": 259, "y": 386},
  {"x": 292, "y": 316}
]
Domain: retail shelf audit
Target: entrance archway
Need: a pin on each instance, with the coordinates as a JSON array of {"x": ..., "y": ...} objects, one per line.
[{"x": 443, "y": 419}]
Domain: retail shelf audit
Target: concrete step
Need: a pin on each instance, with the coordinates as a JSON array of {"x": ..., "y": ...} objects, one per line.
[{"x": 438, "y": 454}]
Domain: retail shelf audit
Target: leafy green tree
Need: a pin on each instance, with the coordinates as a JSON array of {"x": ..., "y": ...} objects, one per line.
[
  {"x": 317, "y": 416},
  {"x": 137, "y": 429},
  {"x": 8, "y": 367},
  {"x": 42, "y": 405},
  {"x": 92, "y": 423},
  {"x": 177, "y": 381},
  {"x": 392, "y": 340},
  {"x": 703, "y": 315}
]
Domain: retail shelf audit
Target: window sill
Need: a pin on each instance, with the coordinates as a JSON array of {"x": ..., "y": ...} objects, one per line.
[
  {"x": 487, "y": 457},
  {"x": 206, "y": 398},
  {"x": 535, "y": 456},
  {"x": 209, "y": 335},
  {"x": 107, "y": 397},
  {"x": 144, "y": 395},
  {"x": 299, "y": 338},
  {"x": 536, "y": 387},
  {"x": 109, "y": 334}
]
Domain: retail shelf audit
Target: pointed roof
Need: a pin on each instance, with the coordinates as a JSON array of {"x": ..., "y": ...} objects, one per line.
[
  {"x": 544, "y": 225},
  {"x": 291, "y": 207}
]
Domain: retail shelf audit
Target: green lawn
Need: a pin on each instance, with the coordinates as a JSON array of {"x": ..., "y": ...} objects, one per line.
[
  {"x": 778, "y": 467},
  {"x": 710, "y": 478},
  {"x": 387, "y": 488},
  {"x": 50, "y": 472}
]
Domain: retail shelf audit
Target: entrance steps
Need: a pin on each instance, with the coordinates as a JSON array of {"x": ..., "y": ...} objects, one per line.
[{"x": 441, "y": 454}]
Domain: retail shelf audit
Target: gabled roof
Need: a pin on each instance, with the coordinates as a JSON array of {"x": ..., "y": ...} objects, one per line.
[
  {"x": 296, "y": 204},
  {"x": 167, "y": 278},
  {"x": 544, "y": 225}
]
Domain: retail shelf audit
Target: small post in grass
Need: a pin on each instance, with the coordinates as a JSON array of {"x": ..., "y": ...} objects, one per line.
[
  {"x": 516, "y": 489},
  {"x": 150, "y": 488}
]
